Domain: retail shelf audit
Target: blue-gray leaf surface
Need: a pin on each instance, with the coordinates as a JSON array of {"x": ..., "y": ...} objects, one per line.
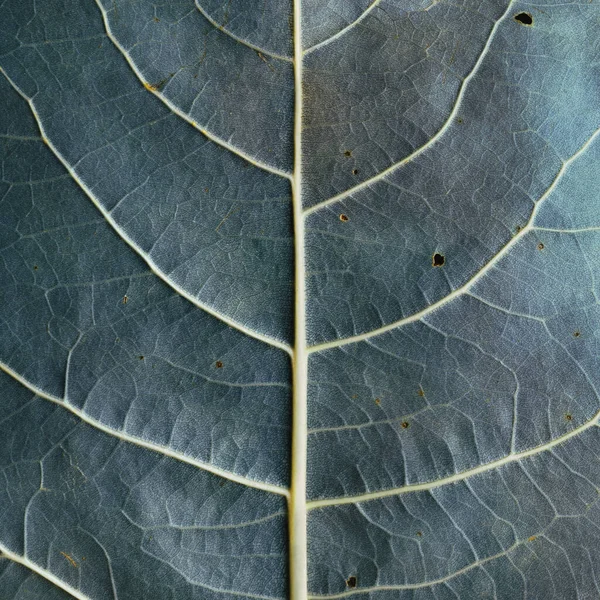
[{"x": 299, "y": 301}]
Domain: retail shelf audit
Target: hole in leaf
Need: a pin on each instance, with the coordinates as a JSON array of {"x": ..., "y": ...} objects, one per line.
[
  {"x": 419, "y": 534},
  {"x": 348, "y": 153},
  {"x": 344, "y": 217},
  {"x": 141, "y": 357},
  {"x": 352, "y": 582},
  {"x": 577, "y": 334},
  {"x": 219, "y": 364},
  {"x": 569, "y": 417},
  {"x": 438, "y": 260},
  {"x": 540, "y": 246},
  {"x": 531, "y": 538},
  {"x": 35, "y": 267},
  {"x": 405, "y": 424},
  {"x": 459, "y": 120},
  {"x": 354, "y": 171},
  {"x": 125, "y": 299},
  {"x": 524, "y": 18},
  {"x": 377, "y": 401},
  {"x": 421, "y": 392}
]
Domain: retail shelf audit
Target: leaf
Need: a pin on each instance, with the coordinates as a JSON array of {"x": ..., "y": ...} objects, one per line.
[{"x": 299, "y": 300}]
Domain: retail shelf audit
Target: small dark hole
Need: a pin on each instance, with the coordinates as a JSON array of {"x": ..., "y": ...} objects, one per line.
[
  {"x": 577, "y": 334},
  {"x": 343, "y": 217},
  {"x": 459, "y": 121},
  {"x": 354, "y": 171},
  {"x": 419, "y": 534},
  {"x": 141, "y": 357},
  {"x": 219, "y": 364},
  {"x": 35, "y": 267},
  {"x": 351, "y": 582},
  {"x": 405, "y": 424},
  {"x": 378, "y": 401},
  {"x": 569, "y": 417},
  {"x": 524, "y": 18},
  {"x": 438, "y": 260},
  {"x": 421, "y": 392},
  {"x": 348, "y": 153},
  {"x": 540, "y": 246}
]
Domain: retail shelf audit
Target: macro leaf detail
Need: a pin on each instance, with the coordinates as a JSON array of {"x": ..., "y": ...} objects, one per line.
[{"x": 299, "y": 299}]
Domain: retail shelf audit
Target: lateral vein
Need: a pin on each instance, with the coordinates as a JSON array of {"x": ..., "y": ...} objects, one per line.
[
  {"x": 437, "y": 136},
  {"x": 459, "y": 291},
  {"x": 138, "y": 441},
  {"x": 430, "y": 485},
  {"x": 242, "y": 41},
  {"x": 211, "y": 136},
  {"x": 44, "y": 573},
  {"x": 125, "y": 237},
  {"x": 343, "y": 31}
]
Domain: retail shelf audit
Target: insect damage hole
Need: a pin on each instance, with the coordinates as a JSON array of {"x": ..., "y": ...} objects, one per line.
[
  {"x": 219, "y": 364},
  {"x": 540, "y": 246},
  {"x": 568, "y": 417},
  {"x": 405, "y": 424},
  {"x": 347, "y": 153},
  {"x": 351, "y": 582},
  {"x": 344, "y": 217},
  {"x": 354, "y": 171},
  {"x": 524, "y": 18},
  {"x": 438, "y": 260}
]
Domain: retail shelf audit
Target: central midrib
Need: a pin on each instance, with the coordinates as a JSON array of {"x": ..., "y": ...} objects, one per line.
[{"x": 297, "y": 503}]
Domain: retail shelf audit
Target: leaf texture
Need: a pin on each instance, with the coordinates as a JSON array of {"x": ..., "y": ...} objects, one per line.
[{"x": 299, "y": 300}]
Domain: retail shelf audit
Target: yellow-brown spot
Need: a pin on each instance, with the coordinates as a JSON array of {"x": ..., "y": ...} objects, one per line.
[{"x": 70, "y": 559}]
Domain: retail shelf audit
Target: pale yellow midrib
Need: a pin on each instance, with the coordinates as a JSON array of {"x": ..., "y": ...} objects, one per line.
[{"x": 297, "y": 502}]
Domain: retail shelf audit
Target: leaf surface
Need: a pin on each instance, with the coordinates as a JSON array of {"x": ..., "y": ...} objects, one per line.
[{"x": 299, "y": 301}]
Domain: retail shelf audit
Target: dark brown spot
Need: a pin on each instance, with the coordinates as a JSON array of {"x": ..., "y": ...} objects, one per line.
[
  {"x": 421, "y": 392},
  {"x": 348, "y": 153},
  {"x": 351, "y": 582},
  {"x": 540, "y": 246},
  {"x": 531, "y": 538},
  {"x": 156, "y": 19},
  {"x": 459, "y": 121},
  {"x": 377, "y": 401},
  {"x": 569, "y": 417},
  {"x": 438, "y": 260},
  {"x": 518, "y": 228},
  {"x": 405, "y": 424},
  {"x": 419, "y": 534},
  {"x": 577, "y": 334},
  {"x": 219, "y": 364},
  {"x": 524, "y": 18},
  {"x": 125, "y": 299},
  {"x": 354, "y": 171},
  {"x": 35, "y": 267},
  {"x": 141, "y": 357},
  {"x": 344, "y": 217}
]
